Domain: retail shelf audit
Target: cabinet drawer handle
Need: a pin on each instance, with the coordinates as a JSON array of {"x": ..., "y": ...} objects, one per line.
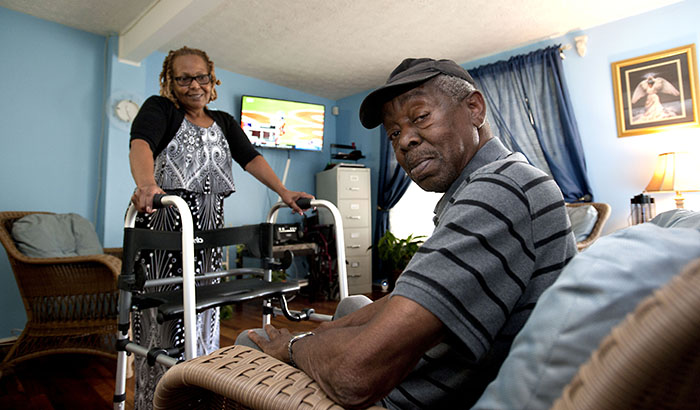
[
  {"x": 354, "y": 217},
  {"x": 353, "y": 246},
  {"x": 354, "y": 188},
  {"x": 354, "y": 276}
]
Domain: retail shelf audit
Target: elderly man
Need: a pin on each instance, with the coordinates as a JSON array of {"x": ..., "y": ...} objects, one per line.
[{"x": 502, "y": 236}]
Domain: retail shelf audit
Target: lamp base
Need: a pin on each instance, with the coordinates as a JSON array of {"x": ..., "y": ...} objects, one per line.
[{"x": 679, "y": 200}]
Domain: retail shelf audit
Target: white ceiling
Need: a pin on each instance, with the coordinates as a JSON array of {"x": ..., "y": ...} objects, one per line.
[{"x": 330, "y": 48}]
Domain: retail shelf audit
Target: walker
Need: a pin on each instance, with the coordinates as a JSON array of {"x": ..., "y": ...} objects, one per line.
[{"x": 189, "y": 300}]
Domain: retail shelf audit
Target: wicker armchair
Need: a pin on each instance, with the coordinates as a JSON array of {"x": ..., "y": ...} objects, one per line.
[
  {"x": 650, "y": 361},
  {"x": 239, "y": 377},
  {"x": 603, "y": 215},
  {"x": 70, "y": 302}
]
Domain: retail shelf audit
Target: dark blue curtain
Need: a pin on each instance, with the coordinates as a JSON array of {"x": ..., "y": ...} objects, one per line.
[
  {"x": 530, "y": 110},
  {"x": 392, "y": 184}
]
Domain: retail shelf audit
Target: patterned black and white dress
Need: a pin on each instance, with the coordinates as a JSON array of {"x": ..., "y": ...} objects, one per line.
[{"x": 196, "y": 165}]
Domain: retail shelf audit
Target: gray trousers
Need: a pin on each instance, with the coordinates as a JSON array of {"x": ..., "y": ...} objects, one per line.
[{"x": 345, "y": 307}]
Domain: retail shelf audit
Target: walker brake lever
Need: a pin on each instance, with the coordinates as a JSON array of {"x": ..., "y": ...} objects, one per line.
[{"x": 304, "y": 314}]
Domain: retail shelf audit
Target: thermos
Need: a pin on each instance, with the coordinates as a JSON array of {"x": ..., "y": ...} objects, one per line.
[{"x": 642, "y": 209}]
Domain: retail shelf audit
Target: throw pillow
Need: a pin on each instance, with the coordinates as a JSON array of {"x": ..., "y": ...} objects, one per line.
[
  {"x": 583, "y": 219},
  {"x": 55, "y": 235},
  {"x": 595, "y": 291},
  {"x": 678, "y": 218}
]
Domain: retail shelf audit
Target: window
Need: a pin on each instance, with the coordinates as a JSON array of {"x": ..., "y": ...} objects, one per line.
[{"x": 413, "y": 215}]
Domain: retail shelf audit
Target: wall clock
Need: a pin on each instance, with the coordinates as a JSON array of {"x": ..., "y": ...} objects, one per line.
[
  {"x": 122, "y": 109},
  {"x": 126, "y": 110}
]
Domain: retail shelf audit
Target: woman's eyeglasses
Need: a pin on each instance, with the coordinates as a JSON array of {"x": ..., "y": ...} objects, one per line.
[{"x": 202, "y": 79}]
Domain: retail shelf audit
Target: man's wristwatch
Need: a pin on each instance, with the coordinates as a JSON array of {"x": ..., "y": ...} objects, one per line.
[{"x": 292, "y": 341}]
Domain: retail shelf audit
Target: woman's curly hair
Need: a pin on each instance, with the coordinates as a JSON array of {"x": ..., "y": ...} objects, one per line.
[{"x": 166, "y": 76}]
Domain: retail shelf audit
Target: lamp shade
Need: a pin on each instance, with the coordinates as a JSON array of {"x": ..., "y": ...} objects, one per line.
[{"x": 675, "y": 172}]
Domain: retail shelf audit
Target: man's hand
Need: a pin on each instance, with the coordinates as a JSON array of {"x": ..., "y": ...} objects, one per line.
[{"x": 277, "y": 346}]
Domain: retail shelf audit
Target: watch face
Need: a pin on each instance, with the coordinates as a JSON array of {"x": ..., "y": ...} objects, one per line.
[{"x": 126, "y": 110}]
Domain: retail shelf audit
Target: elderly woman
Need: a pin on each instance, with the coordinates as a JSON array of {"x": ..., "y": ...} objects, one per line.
[{"x": 180, "y": 147}]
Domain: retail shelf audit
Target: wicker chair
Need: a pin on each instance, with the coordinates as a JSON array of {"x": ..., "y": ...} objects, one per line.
[
  {"x": 239, "y": 377},
  {"x": 603, "y": 215},
  {"x": 70, "y": 302},
  {"x": 649, "y": 361}
]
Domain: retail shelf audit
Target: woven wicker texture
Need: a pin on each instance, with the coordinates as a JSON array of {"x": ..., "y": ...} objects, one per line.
[
  {"x": 238, "y": 377},
  {"x": 603, "y": 215},
  {"x": 651, "y": 360},
  {"x": 71, "y": 302}
]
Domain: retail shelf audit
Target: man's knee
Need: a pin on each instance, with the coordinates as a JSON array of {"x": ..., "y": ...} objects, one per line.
[
  {"x": 351, "y": 304},
  {"x": 244, "y": 340}
]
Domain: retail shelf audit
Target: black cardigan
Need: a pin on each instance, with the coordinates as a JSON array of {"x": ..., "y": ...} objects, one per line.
[{"x": 158, "y": 120}]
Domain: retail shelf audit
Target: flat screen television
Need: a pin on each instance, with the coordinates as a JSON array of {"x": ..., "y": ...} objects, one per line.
[{"x": 275, "y": 123}]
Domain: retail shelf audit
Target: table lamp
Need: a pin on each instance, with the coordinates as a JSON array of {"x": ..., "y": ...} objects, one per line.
[{"x": 675, "y": 172}]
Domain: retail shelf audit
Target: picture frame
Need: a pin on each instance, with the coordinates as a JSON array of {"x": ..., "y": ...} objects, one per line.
[{"x": 656, "y": 92}]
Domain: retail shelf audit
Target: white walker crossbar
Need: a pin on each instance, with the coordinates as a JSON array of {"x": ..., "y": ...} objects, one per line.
[
  {"x": 340, "y": 255},
  {"x": 210, "y": 296}
]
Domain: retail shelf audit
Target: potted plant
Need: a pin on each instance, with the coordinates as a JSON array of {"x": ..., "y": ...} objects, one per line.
[{"x": 395, "y": 253}]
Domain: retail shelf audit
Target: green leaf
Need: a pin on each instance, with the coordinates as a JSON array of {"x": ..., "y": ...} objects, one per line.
[{"x": 395, "y": 252}]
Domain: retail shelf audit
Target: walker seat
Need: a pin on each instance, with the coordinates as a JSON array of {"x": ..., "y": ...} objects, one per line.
[{"x": 170, "y": 302}]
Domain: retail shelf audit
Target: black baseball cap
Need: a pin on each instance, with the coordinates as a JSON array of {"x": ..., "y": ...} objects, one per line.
[{"x": 409, "y": 74}]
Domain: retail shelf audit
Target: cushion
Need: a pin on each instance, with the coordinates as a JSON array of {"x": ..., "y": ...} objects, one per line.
[
  {"x": 594, "y": 292},
  {"x": 583, "y": 219},
  {"x": 679, "y": 218},
  {"x": 55, "y": 235}
]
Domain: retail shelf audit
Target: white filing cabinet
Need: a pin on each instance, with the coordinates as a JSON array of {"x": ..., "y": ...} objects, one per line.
[{"x": 348, "y": 188}]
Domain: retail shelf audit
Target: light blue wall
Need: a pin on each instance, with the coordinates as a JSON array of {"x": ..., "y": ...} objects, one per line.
[
  {"x": 618, "y": 168},
  {"x": 50, "y": 113},
  {"x": 124, "y": 81}
]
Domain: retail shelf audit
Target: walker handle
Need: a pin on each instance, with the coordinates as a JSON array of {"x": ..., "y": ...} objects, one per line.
[
  {"x": 304, "y": 203},
  {"x": 157, "y": 201}
]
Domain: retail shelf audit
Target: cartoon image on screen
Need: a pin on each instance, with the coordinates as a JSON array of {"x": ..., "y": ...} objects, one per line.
[{"x": 275, "y": 123}]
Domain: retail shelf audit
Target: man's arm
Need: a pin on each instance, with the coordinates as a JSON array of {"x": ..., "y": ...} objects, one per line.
[
  {"x": 358, "y": 365},
  {"x": 356, "y": 318}
]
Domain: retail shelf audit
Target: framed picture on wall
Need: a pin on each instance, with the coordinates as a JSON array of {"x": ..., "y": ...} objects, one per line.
[{"x": 656, "y": 92}]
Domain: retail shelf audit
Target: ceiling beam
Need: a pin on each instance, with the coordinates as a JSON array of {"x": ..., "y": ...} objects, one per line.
[{"x": 164, "y": 20}]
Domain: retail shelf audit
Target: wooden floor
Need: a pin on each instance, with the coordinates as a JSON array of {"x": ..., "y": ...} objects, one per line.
[{"x": 86, "y": 382}]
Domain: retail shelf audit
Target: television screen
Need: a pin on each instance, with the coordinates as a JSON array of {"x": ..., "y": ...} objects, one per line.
[{"x": 274, "y": 123}]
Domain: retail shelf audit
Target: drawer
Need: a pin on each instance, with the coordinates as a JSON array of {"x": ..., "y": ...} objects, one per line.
[
  {"x": 353, "y": 183},
  {"x": 355, "y": 212},
  {"x": 359, "y": 274},
  {"x": 357, "y": 240}
]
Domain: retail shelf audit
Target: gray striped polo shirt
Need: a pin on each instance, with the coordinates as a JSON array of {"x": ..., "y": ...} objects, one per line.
[{"x": 502, "y": 236}]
